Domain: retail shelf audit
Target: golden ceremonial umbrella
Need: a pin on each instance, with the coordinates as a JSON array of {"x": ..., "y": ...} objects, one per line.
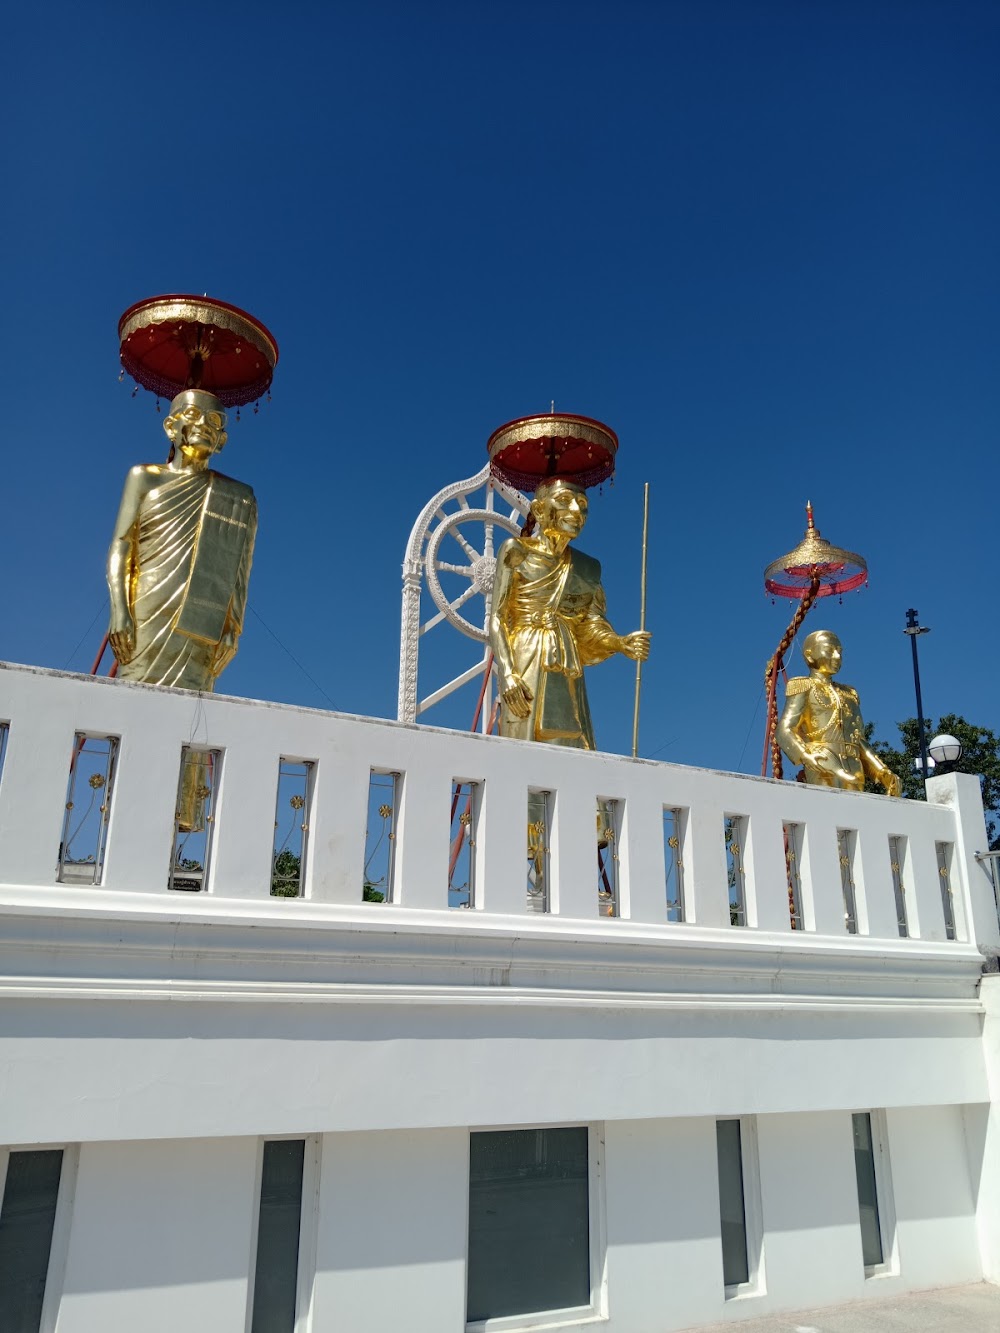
[{"x": 814, "y": 569}]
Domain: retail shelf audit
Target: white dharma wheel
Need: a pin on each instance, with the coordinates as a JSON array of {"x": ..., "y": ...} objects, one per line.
[
  {"x": 452, "y": 550},
  {"x": 462, "y": 552}
]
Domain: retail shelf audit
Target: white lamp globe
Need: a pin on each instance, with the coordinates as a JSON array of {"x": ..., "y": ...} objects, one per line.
[{"x": 945, "y": 749}]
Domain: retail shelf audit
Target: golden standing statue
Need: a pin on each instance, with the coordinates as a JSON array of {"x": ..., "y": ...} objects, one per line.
[
  {"x": 179, "y": 562},
  {"x": 822, "y": 728},
  {"x": 548, "y": 622}
]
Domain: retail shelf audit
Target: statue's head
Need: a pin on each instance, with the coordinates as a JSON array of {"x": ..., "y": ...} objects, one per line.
[
  {"x": 196, "y": 424},
  {"x": 823, "y": 652},
  {"x": 560, "y": 506}
]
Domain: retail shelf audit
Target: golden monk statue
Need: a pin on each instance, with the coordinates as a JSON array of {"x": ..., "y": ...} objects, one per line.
[
  {"x": 179, "y": 562},
  {"x": 822, "y": 728},
  {"x": 548, "y": 622}
]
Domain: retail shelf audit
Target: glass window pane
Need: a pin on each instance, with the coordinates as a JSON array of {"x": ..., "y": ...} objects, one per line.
[
  {"x": 864, "y": 1166},
  {"x": 278, "y": 1237},
  {"x": 609, "y": 823},
  {"x": 793, "y": 854},
  {"x": 735, "y": 1267},
  {"x": 539, "y": 834},
  {"x": 465, "y": 801},
  {"x": 88, "y": 805},
  {"x": 674, "y": 865},
  {"x": 26, "y": 1221},
  {"x": 944, "y": 850},
  {"x": 529, "y": 1222},
  {"x": 194, "y": 820},
  {"x": 380, "y": 837},
  {"x": 845, "y": 848},
  {"x": 735, "y": 833},
  {"x": 291, "y": 827},
  {"x": 897, "y": 859}
]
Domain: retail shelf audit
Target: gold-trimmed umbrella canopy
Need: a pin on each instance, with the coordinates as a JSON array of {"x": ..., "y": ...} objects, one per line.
[
  {"x": 839, "y": 571},
  {"x": 170, "y": 343},
  {"x": 530, "y": 450}
]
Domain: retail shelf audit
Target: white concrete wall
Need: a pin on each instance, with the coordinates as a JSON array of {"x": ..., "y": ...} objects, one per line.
[
  {"x": 393, "y": 1230},
  {"x": 45, "y": 708},
  {"x": 935, "y": 1204},
  {"x": 664, "y": 1253},
  {"x": 184, "y": 1026},
  {"x": 160, "y": 1238},
  {"x": 161, "y": 1232},
  {"x": 312, "y": 1069},
  {"x": 982, "y": 1134}
]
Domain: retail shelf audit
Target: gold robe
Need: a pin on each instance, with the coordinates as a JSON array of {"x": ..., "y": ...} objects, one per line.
[
  {"x": 552, "y": 618},
  {"x": 179, "y": 538}
]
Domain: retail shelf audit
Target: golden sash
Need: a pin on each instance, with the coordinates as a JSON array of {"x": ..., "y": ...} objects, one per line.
[{"x": 223, "y": 531}]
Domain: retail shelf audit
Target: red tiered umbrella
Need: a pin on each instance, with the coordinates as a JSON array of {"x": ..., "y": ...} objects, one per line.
[
  {"x": 171, "y": 343},
  {"x": 529, "y": 450}
]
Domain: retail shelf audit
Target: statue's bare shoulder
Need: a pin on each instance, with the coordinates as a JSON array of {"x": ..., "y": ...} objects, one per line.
[
  {"x": 511, "y": 553},
  {"x": 147, "y": 474}
]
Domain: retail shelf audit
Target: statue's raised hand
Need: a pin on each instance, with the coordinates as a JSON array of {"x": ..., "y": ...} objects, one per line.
[
  {"x": 121, "y": 636},
  {"x": 636, "y": 645},
  {"x": 517, "y": 696}
]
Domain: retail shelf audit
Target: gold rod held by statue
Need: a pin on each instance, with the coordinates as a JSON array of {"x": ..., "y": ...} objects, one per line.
[{"x": 642, "y": 619}]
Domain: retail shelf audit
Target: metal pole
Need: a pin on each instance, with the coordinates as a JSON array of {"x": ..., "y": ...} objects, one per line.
[
  {"x": 642, "y": 619},
  {"x": 913, "y": 629}
]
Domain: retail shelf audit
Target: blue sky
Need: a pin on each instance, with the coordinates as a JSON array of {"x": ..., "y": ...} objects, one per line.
[{"x": 758, "y": 239}]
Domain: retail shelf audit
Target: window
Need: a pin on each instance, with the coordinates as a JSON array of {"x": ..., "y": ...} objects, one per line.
[
  {"x": 944, "y": 857},
  {"x": 673, "y": 835},
  {"x": 465, "y": 806},
  {"x": 279, "y": 1225},
  {"x": 897, "y": 860},
  {"x": 735, "y": 833},
  {"x": 194, "y": 818},
  {"x": 539, "y": 839},
  {"x": 291, "y": 827},
  {"x": 845, "y": 849},
  {"x": 4, "y": 732},
  {"x": 871, "y": 1166},
  {"x": 533, "y": 1233},
  {"x": 793, "y": 852},
  {"x": 609, "y": 823},
  {"x": 27, "y": 1220},
  {"x": 378, "y": 884},
  {"x": 739, "y": 1206},
  {"x": 88, "y": 805}
]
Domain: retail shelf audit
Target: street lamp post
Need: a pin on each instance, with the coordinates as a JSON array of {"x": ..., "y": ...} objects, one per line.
[{"x": 913, "y": 629}]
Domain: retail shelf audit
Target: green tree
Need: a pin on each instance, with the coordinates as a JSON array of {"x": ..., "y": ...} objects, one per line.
[
  {"x": 980, "y": 754},
  {"x": 285, "y": 875},
  {"x": 285, "y": 879}
]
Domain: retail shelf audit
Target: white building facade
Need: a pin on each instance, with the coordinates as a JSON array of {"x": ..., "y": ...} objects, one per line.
[{"x": 762, "y": 1072}]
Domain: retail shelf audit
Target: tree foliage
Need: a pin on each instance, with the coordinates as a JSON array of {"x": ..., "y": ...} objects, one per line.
[
  {"x": 980, "y": 754},
  {"x": 285, "y": 873}
]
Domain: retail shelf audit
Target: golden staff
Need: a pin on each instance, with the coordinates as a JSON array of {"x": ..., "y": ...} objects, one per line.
[{"x": 642, "y": 619}]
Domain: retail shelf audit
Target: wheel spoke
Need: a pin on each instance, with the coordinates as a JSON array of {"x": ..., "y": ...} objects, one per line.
[
  {"x": 466, "y": 571},
  {"x": 488, "y": 542},
  {"x": 462, "y": 598},
  {"x": 469, "y": 550}
]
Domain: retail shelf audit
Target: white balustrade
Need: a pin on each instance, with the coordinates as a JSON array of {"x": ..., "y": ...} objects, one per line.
[{"x": 44, "y": 709}]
